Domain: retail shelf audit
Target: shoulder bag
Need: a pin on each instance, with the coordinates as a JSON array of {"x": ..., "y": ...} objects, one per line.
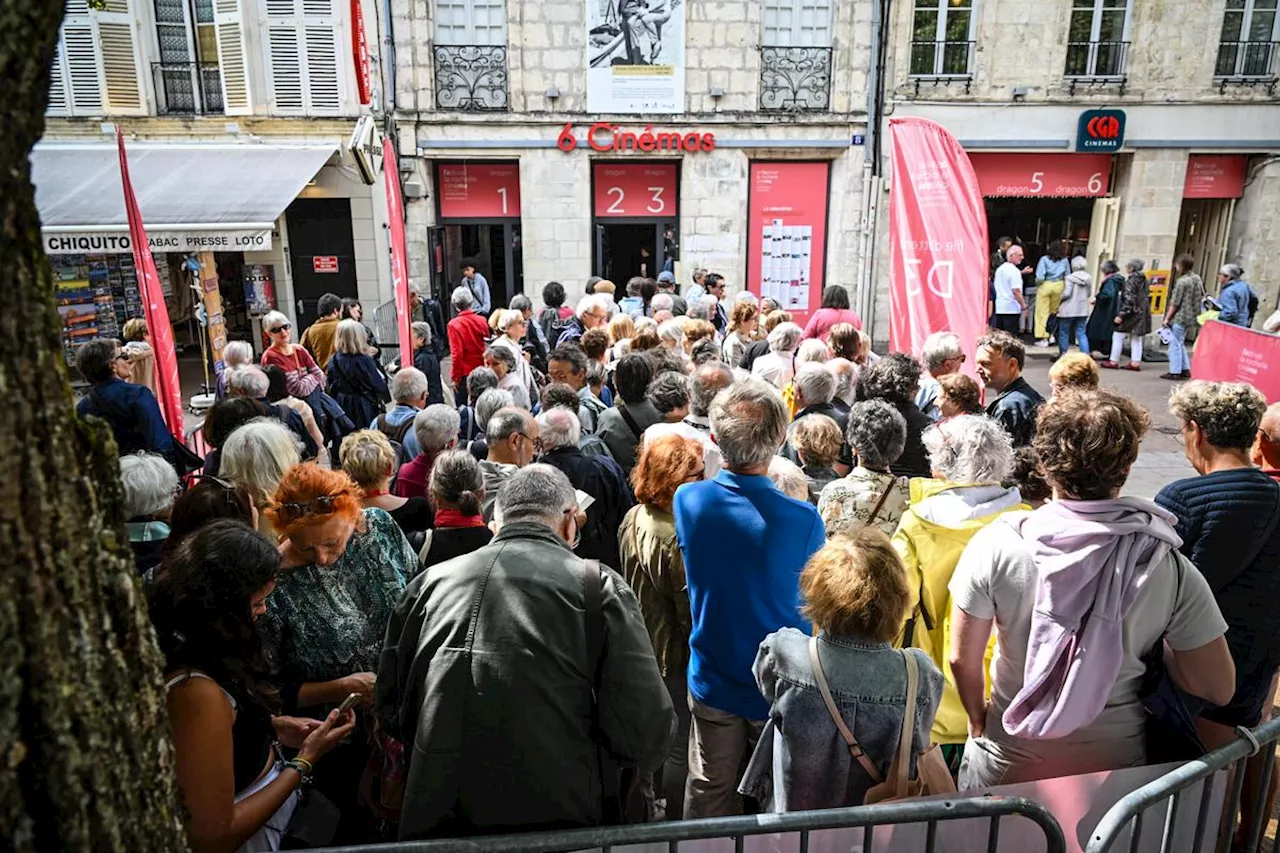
[{"x": 932, "y": 776}]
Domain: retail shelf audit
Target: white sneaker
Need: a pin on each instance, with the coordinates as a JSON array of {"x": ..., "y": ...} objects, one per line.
[{"x": 1042, "y": 343}]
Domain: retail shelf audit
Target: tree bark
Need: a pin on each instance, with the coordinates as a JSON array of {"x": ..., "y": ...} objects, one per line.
[{"x": 88, "y": 764}]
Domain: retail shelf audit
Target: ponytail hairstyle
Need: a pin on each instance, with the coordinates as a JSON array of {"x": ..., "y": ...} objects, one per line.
[{"x": 457, "y": 483}]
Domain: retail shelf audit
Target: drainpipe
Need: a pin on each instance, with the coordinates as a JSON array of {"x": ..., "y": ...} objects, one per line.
[
  {"x": 871, "y": 163},
  {"x": 388, "y": 62}
]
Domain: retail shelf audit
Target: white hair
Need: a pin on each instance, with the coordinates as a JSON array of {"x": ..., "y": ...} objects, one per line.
[
  {"x": 746, "y": 296},
  {"x": 646, "y": 323},
  {"x": 273, "y": 318},
  {"x": 970, "y": 450},
  {"x": 662, "y": 302},
  {"x": 814, "y": 384},
  {"x": 789, "y": 479},
  {"x": 248, "y": 381},
  {"x": 150, "y": 484},
  {"x": 462, "y": 299},
  {"x": 698, "y": 310},
  {"x": 257, "y": 455},
  {"x": 491, "y": 401},
  {"x": 409, "y": 385},
  {"x": 846, "y": 373},
  {"x": 940, "y": 347},
  {"x": 813, "y": 351},
  {"x": 559, "y": 428},
  {"x": 673, "y": 331},
  {"x": 436, "y": 427},
  {"x": 237, "y": 353},
  {"x": 537, "y": 493},
  {"x": 590, "y": 302},
  {"x": 508, "y": 317},
  {"x": 785, "y": 337}
]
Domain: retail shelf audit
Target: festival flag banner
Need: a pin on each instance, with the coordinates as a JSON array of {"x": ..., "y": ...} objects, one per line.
[
  {"x": 937, "y": 240},
  {"x": 399, "y": 250},
  {"x": 154, "y": 310},
  {"x": 1226, "y": 352}
]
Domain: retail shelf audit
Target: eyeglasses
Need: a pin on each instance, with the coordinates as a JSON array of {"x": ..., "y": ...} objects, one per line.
[
  {"x": 536, "y": 442},
  {"x": 275, "y": 330},
  {"x": 217, "y": 481},
  {"x": 122, "y": 357},
  {"x": 322, "y": 505}
]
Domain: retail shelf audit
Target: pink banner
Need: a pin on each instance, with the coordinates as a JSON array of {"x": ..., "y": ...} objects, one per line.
[
  {"x": 399, "y": 250},
  {"x": 154, "y": 310},
  {"x": 937, "y": 238},
  {"x": 1229, "y": 353}
]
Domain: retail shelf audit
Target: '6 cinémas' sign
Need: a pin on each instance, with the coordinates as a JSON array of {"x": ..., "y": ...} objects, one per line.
[
  {"x": 112, "y": 242},
  {"x": 603, "y": 136}
]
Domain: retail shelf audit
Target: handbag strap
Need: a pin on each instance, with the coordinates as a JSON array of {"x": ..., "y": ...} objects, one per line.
[
  {"x": 903, "y": 764},
  {"x": 884, "y": 496},
  {"x": 855, "y": 748},
  {"x": 631, "y": 422}
]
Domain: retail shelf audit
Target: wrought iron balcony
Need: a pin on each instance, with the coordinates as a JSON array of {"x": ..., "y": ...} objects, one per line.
[
  {"x": 1096, "y": 62},
  {"x": 1246, "y": 62},
  {"x": 187, "y": 88},
  {"x": 795, "y": 79},
  {"x": 471, "y": 77}
]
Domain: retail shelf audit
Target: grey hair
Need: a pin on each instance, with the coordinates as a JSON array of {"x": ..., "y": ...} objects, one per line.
[
  {"x": 351, "y": 338},
  {"x": 815, "y": 384},
  {"x": 789, "y": 479},
  {"x": 1135, "y": 265},
  {"x": 1079, "y": 262},
  {"x": 508, "y": 317},
  {"x": 237, "y": 353},
  {"x": 707, "y": 381},
  {"x": 1232, "y": 271},
  {"x": 970, "y": 449},
  {"x": 1227, "y": 412},
  {"x": 813, "y": 351},
  {"x": 1109, "y": 267},
  {"x": 436, "y": 426},
  {"x": 462, "y": 298},
  {"x": 877, "y": 433},
  {"x": 504, "y": 423},
  {"x": 559, "y": 428},
  {"x": 249, "y": 381},
  {"x": 596, "y": 372},
  {"x": 257, "y": 455},
  {"x": 480, "y": 380},
  {"x": 538, "y": 493},
  {"x": 746, "y": 296},
  {"x": 662, "y": 302},
  {"x": 845, "y": 372},
  {"x": 456, "y": 480},
  {"x": 697, "y": 310},
  {"x": 491, "y": 401},
  {"x": 647, "y": 323},
  {"x": 939, "y": 348},
  {"x": 422, "y": 330},
  {"x": 589, "y": 303},
  {"x": 668, "y": 391},
  {"x": 502, "y": 354},
  {"x": 409, "y": 385},
  {"x": 672, "y": 331},
  {"x": 521, "y": 303},
  {"x": 149, "y": 483},
  {"x": 785, "y": 337},
  {"x": 749, "y": 422}
]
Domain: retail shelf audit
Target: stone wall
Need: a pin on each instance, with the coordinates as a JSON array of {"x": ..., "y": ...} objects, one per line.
[
  {"x": 1149, "y": 184},
  {"x": 1255, "y": 234}
]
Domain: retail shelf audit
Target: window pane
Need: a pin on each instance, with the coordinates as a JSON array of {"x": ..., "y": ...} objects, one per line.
[
  {"x": 958, "y": 25},
  {"x": 1115, "y": 4},
  {"x": 922, "y": 57},
  {"x": 1226, "y": 64},
  {"x": 926, "y": 25},
  {"x": 1235, "y": 4},
  {"x": 1077, "y": 59},
  {"x": 1112, "y": 28},
  {"x": 1232, "y": 26},
  {"x": 1260, "y": 27},
  {"x": 1081, "y": 25},
  {"x": 955, "y": 58}
]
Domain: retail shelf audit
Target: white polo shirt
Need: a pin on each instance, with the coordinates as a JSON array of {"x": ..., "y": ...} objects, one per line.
[{"x": 1008, "y": 279}]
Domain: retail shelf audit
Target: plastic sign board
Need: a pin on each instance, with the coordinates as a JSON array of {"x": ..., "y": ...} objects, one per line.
[
  {"x": 479, "y": 190},
  {"x": 324, "y": 263},
  {"x": 1214, "y": 176},
  {"x": 635, "y": 190},
  {"x": 787, "y": 233},
  {"x": 1026, "y": 175},
  {"x": 1100, "y": 130}
]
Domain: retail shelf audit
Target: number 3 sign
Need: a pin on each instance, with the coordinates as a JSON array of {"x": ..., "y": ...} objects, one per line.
[{"x": 635, "y": 190}]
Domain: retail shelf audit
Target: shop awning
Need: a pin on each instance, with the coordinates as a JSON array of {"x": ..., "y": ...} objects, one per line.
[{"x": 192, "y": 196}]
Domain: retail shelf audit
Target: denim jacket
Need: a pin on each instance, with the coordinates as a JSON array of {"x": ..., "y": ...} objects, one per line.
[{"x": 801, "y": 761}]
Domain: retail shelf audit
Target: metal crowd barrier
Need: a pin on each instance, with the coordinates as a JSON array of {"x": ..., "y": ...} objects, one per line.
[
  {"x": 387, "y": 332},
  {"x": 1129, "y": 815},
  {"x": 670, "y": 836}
]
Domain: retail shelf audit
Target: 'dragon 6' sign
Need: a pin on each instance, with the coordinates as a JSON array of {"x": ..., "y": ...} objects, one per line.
[{"x": 1100, "y": 131}]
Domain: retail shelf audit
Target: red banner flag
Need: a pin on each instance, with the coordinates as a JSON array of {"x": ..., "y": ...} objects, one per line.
[
  {"x": 937, "y": 238},
  {"x": 1229, "y": 353},
  {"x": 360, "y": 56},
  {"x": 399, "y": 250},
  {"x": 154, "y": 310}
]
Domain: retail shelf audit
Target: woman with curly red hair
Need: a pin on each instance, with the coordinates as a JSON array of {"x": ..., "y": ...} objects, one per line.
[
  {"x": 344, "y": 567},
  {"x": 653, "y": 566}
]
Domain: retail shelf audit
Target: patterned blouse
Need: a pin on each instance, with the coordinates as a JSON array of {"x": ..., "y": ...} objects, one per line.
[
  {"x": 326, "y": 622},
  {"x": 847, "y": 503}
]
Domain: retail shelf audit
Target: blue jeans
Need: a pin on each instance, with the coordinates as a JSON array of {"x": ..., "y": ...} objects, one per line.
[
  {"x": 1072, "y": 327},
  {"x": 1179, "y": 361}
]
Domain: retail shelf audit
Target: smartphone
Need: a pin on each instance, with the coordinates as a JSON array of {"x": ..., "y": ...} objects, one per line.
[{"x": 348, "y": 703}]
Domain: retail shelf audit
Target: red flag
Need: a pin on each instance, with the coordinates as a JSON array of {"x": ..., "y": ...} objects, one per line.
[
  {"x": 360, "y": 54},
  {"x": 399, "y": 251},
  {"x": 937, "y": 240},
  {"x": 154, "y": 310}
]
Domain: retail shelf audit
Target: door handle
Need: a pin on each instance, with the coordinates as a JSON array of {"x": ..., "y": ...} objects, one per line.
[{"x": 299, "y": 307}]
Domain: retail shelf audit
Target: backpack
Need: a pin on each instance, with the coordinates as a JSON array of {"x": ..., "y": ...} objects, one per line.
[
  {"x": 395, "y": 435},
  {"x": 553, "y": 325}
]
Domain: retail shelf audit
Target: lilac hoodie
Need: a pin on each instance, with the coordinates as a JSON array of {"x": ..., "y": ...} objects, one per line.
[{"x": 1092, "y": 558}]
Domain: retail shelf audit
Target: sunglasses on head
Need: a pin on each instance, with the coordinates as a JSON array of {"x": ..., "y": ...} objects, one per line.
[
  {"x": 322, "y": 505},
  {"x": 275, "y": 330}
]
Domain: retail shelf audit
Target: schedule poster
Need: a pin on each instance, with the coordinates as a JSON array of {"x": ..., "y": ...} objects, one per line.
[
  {"x": 635, "y": 56},
  {"x": 787, "y": 234}
]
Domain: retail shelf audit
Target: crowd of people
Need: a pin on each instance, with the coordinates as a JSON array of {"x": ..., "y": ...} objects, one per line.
[{"x": 677, "y": 556}]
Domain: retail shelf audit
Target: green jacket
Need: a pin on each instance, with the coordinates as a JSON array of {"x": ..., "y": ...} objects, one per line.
[{"x": 483, "y": 676}]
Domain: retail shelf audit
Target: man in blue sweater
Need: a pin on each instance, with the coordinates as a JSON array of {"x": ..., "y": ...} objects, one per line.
[{"x": 744, "y": 545}]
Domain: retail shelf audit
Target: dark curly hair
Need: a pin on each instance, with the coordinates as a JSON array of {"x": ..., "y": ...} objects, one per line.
[
  {"x": 200, "y": 606},
  {"x": 894, "y": 378},
  {"x": 1086, "y": 442}
]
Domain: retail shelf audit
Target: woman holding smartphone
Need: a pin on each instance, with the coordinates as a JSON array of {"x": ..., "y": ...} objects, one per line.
[{"x": 239, "y": 791}]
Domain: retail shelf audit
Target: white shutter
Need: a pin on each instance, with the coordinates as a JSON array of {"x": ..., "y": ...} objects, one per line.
[
  {"x": 324, "y": 70},
  {"x": 233, "y": 57},
  {"x": 797, "y": 23},
  {"x": 305, "y": 73},
  {"x": 77, "y": 77},
  {"x": 471, "y": 22},
  {"x": 58, "y": 103},
  {"x": 121, "y": 64}
]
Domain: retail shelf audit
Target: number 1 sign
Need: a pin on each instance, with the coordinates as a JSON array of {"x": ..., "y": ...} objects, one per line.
[
  {"x": 479, "y": 190},
  {"x": 635, "y": 190}
]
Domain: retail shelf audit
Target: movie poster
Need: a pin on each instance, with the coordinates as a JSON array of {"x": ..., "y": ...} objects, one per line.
[{"x": 635, "y": 56}]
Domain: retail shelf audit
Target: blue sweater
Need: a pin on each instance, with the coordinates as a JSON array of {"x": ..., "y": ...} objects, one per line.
[
  {"x": 744, "y": 545},
  {"x": 1234, "y": 300}
]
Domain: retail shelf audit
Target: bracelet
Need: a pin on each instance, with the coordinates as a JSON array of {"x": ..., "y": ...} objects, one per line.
[{"x": 303, "y": 768}]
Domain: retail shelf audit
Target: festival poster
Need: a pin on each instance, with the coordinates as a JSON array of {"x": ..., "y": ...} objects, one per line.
[
  {"x": 1228, "y": 353},
  {"x": 937, "y": 240},
  {"x": 787, "y": 234},
  {"x": 399, "y": 249},
  {"x": 635, "y": 56}
]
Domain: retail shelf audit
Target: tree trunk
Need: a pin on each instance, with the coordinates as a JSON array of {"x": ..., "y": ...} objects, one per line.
[{"x": 88, "y": 764}]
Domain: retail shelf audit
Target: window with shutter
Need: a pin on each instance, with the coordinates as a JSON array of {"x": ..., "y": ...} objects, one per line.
[
  {"x": 97, "y": 66},
  {"x": 471, "y": 22},
  {"x": 233, "y": 57},
  {"x": 797, "y": 23},
  {"x": 58, "y": 104},
  {"x": 305, "y": 70}
]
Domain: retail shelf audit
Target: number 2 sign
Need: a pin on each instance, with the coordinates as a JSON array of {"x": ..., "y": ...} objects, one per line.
[{"x": 635, "y": 190}]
